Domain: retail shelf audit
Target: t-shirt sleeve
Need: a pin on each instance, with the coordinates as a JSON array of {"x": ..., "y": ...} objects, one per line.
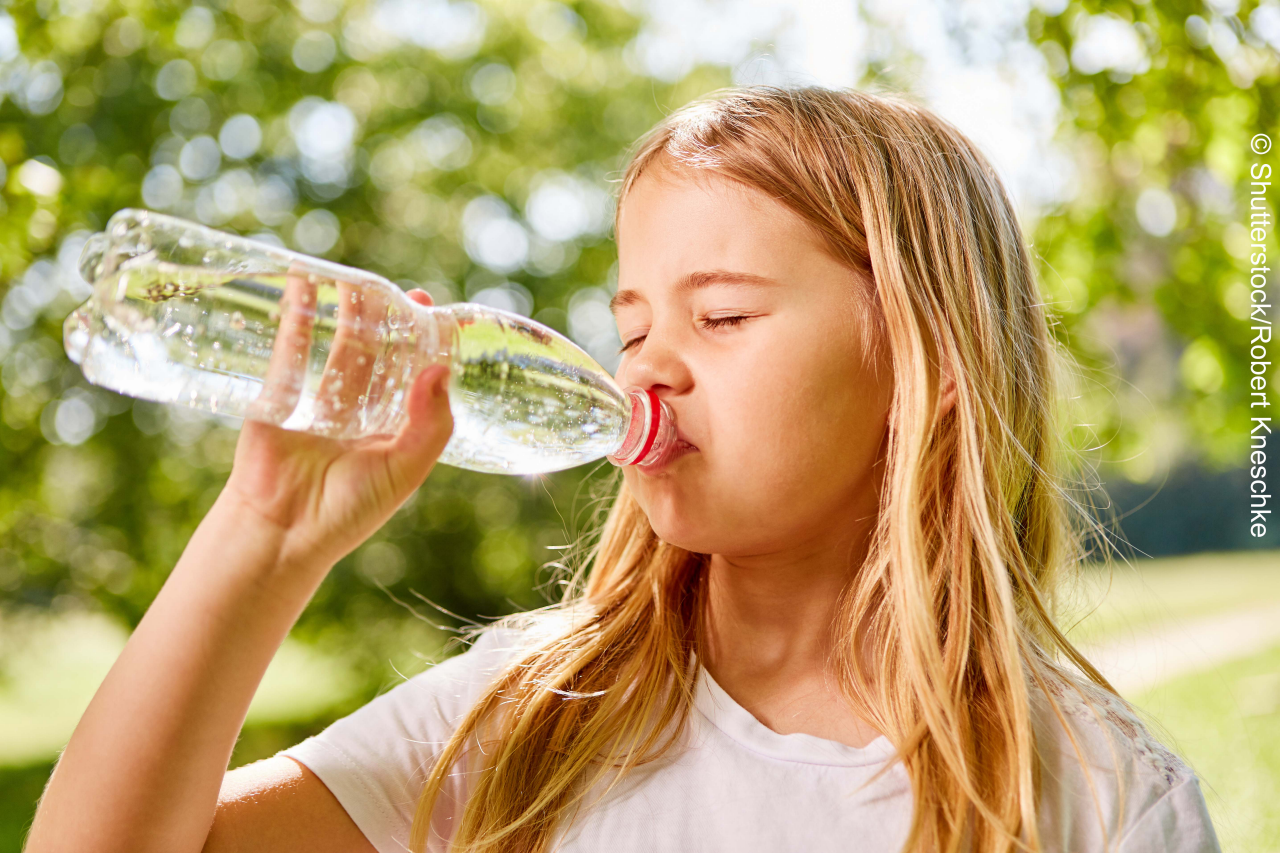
[
  {"x": 1177, "y": 823},
  {"x": 376, "y": 759}
]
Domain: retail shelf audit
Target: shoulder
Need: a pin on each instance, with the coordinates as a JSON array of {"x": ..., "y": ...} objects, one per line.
[
  {"x": 376, "y": 759},
  {"x": 427, "y": 707},
  {"x": 444, "y": 692},
  {"x": 1109, "y": 734},
  {"x": 1107, "y": 782}
]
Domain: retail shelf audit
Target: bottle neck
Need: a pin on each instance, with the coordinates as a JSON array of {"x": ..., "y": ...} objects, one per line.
[{"x": 651, "y": 433}]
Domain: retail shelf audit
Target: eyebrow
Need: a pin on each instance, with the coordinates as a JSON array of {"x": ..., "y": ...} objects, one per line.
[{"x": 694, "y": 281}]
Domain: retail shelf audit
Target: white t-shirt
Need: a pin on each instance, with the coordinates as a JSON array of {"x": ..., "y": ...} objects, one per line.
[{"x": 733, "y": 784}]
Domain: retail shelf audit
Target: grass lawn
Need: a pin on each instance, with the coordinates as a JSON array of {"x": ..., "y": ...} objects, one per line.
[
  {"x": 50, "y": 669},
  {"x": 1225, "y": 721},
  {"x": 1113, "y": 604}
]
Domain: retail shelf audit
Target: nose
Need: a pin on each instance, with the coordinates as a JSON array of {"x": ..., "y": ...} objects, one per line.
[{"x": 655, "y": 362}]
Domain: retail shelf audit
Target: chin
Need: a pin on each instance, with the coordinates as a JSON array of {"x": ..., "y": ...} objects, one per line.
[
  {"x": 684, "y": 540},
  {"x": 679, "y": 515},
  {"x": 676, "y": 526}
]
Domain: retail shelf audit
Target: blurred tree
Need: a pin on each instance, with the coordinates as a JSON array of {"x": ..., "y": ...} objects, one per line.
[
  {"x": 467, "y": 148},
  {"x": 459, "y": 147},
  {"x": 1143, "y": 254},
  {"x": 1148, "y": 265}
]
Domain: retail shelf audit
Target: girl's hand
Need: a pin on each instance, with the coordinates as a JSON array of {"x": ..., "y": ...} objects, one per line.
[
  {"x": 325, "y": 496},
  {"x": 144, "y": 767}
]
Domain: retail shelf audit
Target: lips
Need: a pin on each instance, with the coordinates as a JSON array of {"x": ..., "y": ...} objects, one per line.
[
  {"x": 673, "y": 451},
  {"x": 680, "y": 448}
]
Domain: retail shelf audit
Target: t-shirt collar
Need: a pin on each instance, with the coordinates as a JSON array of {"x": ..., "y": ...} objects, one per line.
[{"x": 720, "y": 709}]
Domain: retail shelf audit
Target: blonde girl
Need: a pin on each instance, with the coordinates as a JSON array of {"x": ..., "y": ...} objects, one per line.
[{"x": 828, "y": 624}]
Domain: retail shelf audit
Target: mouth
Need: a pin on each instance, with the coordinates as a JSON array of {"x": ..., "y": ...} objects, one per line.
[{"x": 681, "y": 448}]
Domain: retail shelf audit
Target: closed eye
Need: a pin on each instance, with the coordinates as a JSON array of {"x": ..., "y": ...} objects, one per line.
[{"x": 708, "y": 323}]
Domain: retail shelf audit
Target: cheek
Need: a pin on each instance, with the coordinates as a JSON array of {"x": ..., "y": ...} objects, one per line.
[
  {"x": 792, "y": 438},
  {"x": 799, "y": 438},
  {"x": 786, "y": 460}
]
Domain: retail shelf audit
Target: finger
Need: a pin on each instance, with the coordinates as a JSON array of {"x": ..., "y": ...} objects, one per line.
[
  {"x": 420, "y": 296},
  {"x": 287, "y": 366},
  {"x": 428, "y": 429},
  {"x": 352, "y": 358}
]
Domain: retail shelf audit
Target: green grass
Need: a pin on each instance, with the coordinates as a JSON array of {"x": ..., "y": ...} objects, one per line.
[
  {"x": 1105, "y": 605},
  {"x": 52, "y": 667},
  {"x": 21, "y": 786},
  {"x": 1225, "y": 723}
]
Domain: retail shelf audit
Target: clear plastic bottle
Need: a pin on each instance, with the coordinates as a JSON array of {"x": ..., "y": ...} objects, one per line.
[{"x": 184, "y": 314}]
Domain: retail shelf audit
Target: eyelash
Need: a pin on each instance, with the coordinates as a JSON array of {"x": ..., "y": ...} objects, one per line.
[{"x": 709, "y": 323}]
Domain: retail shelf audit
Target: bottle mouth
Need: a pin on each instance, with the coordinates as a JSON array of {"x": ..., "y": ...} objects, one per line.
[{"x": 651, "y": 431}]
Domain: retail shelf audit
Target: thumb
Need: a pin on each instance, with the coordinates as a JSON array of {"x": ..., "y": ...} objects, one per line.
[{"x": 430, "y": 424}]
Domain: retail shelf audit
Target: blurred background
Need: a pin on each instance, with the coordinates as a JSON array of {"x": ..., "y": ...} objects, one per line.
[{"x": 471, "y": 148}]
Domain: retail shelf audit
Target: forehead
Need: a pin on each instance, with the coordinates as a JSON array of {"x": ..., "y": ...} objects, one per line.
[
  {"x": 672, "y": 185},
  {"x": 676, "y": 219}
]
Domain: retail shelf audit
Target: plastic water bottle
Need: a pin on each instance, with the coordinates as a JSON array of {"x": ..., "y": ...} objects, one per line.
[{"x": 184, "y": 314}]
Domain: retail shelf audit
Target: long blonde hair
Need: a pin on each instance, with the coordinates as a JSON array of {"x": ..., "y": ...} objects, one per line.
[{"x": 975, "y": 522}]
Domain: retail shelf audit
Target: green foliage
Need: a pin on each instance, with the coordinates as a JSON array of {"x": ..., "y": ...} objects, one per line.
[
  {"x": 343, "y": 136},
  {"x": 98, "y": 509},
  {"x": 1161, "y": 305}
]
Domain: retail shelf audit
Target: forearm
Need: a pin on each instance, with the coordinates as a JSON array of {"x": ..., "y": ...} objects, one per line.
[{"x": 143, "y": 767}]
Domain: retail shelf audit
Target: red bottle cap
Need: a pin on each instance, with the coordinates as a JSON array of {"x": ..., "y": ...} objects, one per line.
[{"x": 642, "y": 432}]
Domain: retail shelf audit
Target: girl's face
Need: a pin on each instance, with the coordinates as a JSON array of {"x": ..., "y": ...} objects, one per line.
[{"x": 730, "y": 309}]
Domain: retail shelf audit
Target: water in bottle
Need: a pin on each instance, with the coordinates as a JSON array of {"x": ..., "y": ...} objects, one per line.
[{"x": 184, "y": 314}]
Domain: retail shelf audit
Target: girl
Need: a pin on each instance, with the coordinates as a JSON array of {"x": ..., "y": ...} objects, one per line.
[{"x": 827, "y": 625}]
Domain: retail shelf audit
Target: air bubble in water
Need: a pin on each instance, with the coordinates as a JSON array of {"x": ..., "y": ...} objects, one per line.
[{"x": 237, "y": 320}]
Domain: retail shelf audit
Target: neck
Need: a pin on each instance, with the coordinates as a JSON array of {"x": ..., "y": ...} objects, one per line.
[
  {"x": 769, "y": 617},
  {"x": 769, "y": 633}
]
